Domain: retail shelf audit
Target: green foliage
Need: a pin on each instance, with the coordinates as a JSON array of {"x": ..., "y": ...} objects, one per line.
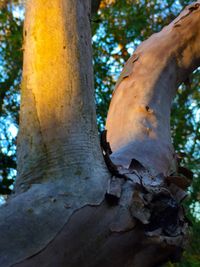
[
  {"x": 10, "y": 75},
  {"x": 118, "y": 28}
]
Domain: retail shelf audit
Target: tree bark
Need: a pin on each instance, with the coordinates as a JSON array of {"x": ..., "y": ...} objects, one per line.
[
  {"x": 63, "y": 212},
  {"x": 141, "y": 104},
  {"x": 60, "y": 164},
  {"x": 57, "y": 95}
]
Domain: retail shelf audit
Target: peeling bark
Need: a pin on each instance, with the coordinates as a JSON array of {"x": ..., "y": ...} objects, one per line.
[
  {"x": 96, "y": 244},
  {"x": 67, "y": 209}
]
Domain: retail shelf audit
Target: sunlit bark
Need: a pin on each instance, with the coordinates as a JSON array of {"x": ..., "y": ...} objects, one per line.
[
  {"x": 58, "y": 132},
  {"x": 60, "y": 164},
  {"x": 138, "y": 121},
  {"x": 59, "y": 215}
]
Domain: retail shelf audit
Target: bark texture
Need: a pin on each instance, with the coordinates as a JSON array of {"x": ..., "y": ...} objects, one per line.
[
  {"x": 96, "y": 244},
  {"x": 59, "y": 215},
  {"x": 60, "y": 164},
  {"x": 57, "y": 116},
  {"x": 138, "y": 123}
]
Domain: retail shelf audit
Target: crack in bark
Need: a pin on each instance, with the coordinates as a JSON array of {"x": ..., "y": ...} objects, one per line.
[{"x": 57, "y": 233}]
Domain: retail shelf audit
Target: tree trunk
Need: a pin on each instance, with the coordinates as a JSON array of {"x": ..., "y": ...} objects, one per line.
[
  {"x": 67, "y": 209},
  {"x": 60, "y": 164}
]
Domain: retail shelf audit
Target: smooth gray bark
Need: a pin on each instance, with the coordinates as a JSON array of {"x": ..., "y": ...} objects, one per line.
[
  {"x": 59, "y": 216},
  {"x": 60, "y": 164}
]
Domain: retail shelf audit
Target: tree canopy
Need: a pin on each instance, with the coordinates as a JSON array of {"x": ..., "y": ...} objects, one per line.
[{"x": 118, "y": 27}]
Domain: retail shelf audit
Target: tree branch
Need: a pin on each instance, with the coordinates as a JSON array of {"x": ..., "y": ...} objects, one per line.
[
  {"x": 61, "y": 218},
  {"x": 138, "y": 122}
]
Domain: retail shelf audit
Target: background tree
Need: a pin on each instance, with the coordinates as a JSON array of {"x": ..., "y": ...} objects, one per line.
[{"x": 10, "y": 78}]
